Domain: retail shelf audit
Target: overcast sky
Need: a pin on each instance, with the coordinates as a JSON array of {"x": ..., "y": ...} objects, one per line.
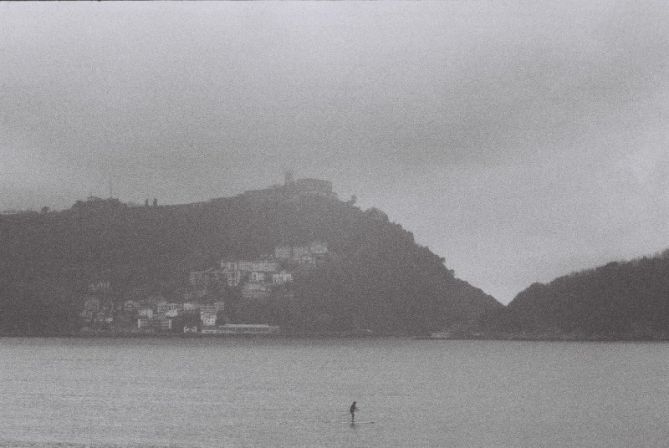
[{"x": 519, "y": 140}]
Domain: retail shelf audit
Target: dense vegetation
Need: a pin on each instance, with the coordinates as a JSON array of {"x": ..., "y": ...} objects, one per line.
[
  {"x": 626, "y": 300},
  {"x": 376, "y": 278}
]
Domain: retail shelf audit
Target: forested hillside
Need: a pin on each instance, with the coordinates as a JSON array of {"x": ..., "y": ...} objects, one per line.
[
  {"x": 376, "y": 277},
  {"x": 621, "y": 300}
]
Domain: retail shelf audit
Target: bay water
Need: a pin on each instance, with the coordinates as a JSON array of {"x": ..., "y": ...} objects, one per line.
[{"x": 227, "y": 392}]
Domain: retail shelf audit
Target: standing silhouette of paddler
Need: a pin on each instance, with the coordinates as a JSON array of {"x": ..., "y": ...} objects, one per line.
[{"x": 352, "y": 410}]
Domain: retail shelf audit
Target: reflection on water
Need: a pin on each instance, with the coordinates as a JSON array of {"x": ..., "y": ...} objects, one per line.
[{"x": 284, "y": 392}]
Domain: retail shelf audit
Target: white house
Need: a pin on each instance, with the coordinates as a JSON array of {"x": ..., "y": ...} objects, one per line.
[
  {"x": 257, "y": 277},
  {"x": 257, "y": 271},
  {"x": 304, "y": 254},
  {"x": 283, "y": 252},
  {"x": 318, "y": 248},
  {"x": 208, "y": 315},
  {"x": 191, "y": 306},
  {"x": 282, "y": 277},
  {"x": 99, "y": 286},
  {"x": 255, "y": 290},
  {"x": 143, "y": 323},
  {"x": 232, "y": 278},
  {"x": 130, "y": 306},
  {"x": 258, "y": 266},
  {"x": 162, "y": 307},
  {"x": 146, "y": 313},
  {"x": 206, "y": 278}
]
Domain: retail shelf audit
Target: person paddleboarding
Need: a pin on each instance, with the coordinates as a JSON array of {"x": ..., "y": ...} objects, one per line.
[{"x": 352, "y": 410}]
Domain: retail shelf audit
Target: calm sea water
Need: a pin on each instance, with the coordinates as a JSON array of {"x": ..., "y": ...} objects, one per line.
[{"x": 296, "y": 393}]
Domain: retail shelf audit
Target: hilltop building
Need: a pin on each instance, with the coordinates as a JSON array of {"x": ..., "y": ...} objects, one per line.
[{"x": 293, "y": 189}]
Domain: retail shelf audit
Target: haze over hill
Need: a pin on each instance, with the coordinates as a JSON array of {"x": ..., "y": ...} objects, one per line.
[{"x": 506, "y": 135}]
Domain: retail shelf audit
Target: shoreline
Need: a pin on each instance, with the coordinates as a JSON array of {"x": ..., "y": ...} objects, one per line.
[{"x": 343, "y": 335}]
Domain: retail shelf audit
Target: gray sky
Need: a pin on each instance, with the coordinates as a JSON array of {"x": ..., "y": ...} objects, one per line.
[{"x": 519, "y": 140}]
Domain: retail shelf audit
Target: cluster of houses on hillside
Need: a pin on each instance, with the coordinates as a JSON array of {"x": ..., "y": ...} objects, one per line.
[
  {"x": 202, "y": 308},
  {"x": 257, "y": 278},
  {"x": 153, "y": 314}
]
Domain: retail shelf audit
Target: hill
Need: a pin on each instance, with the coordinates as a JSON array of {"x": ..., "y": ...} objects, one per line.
[
  {"x": 376, "y": 276},
  {"x": 620, "y": 300}
]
